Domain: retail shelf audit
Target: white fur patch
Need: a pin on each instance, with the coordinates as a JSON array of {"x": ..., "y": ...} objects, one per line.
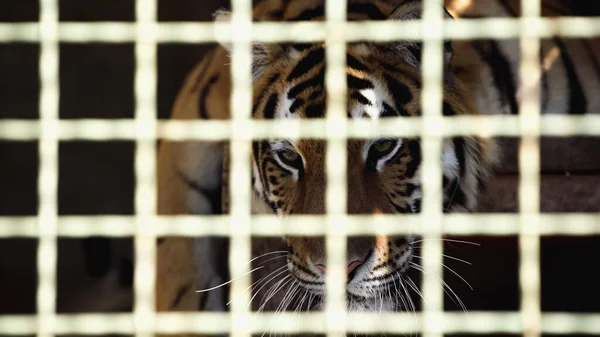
[
  {"x": 450, "y": 164},
  {"x": 377, "y": 96},
  {"x": 283, "y": 108}
]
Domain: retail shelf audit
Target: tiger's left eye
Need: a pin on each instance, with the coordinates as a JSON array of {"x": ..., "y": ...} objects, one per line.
[{"x": 291, "y": 158}]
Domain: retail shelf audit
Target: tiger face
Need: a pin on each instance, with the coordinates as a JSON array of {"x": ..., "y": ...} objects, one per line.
[{"x": 383, "y": 175}]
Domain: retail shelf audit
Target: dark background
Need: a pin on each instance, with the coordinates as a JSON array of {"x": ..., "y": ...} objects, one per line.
[{"x": 96, "y": 81}]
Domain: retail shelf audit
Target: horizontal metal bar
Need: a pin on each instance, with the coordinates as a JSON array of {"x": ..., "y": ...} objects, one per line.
[
  {"x": 380, "y": 31},
  {"x": 213, "y": 323},
  {"x": 574, "y": 224},
  {"x": 218, "y": 130}
]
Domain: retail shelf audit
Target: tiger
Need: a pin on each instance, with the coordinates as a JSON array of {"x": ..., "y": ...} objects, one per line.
[{"x": 383, "y": 175}]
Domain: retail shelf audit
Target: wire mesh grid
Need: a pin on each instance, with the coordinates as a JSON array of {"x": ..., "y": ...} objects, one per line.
[{"x": 146, "y": 32}]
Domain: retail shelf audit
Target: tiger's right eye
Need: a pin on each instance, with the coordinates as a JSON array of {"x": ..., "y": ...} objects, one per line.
[
  {"x": 383, "y": 146},
  {"x": 380, "y": 151}
]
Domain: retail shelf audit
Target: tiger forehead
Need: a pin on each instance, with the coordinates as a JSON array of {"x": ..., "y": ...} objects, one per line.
[
  {"x": 375, "y": 88},
  {"x": 314, "y": 152}
]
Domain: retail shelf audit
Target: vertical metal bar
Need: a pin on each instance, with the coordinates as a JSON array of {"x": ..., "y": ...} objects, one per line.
[
  {"x": 145, "y": 168},
  {"x": 48, "y": 169},
  {"x": 335, "y": 166},
  {"x": 529, "y": 168},
  {"x": 431, "y": 175},
  {"x": 240, "y": 173}
]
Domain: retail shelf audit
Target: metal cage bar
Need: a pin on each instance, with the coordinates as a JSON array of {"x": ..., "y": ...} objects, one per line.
[
  {"x": 240, "y": 197},
  {"x": 145, "y": 79},
  {"x": 529, "y": 179},
  {"x": 48, "y": 168}
]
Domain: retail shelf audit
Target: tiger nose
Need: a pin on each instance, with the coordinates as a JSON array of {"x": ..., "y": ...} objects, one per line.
[{"x": 349, "y": 269}]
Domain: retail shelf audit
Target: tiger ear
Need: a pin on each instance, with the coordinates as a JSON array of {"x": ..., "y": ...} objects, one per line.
[
  {"x": 262, "y": 54},
  {"x": 410, "y": 51}
]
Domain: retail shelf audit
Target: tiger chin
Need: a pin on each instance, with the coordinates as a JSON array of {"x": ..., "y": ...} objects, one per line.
[{"x": 383, "y": 175}]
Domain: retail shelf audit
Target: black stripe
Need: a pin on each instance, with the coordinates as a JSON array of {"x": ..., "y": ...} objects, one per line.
[
  {"x": 304, "y": 269},
  {"x": 270, "y": 82},
  {"x": 316, "y": 81},
  {"x": 296, "y": 105},
  {"x": 204, "y": 95},
  {"x": 180, "y": 294},
  {"x": 316, "y": 110},
  {"x": 416, "y": 50},
  {"x": 390, "y": 111},
  {"x": 269, "y": 110},
  {"x": 445, "y": 182},
  {"x": 309, "y": 14},
  {"x": 311, "y": 60},
  {"x": 577, "y": 100},
  {"x": 417, "y": 206},
  {"x": 447, "y": 109},
  {"x": 414, "y": 148},
  {"x": 508, "y": 8},
  {"x": 397, "y": 207},
  {"x": 302, "y": 46},
  {"x": 314, "y": 95},
  {"x": 256, "y": 154},
  {"x": 459, "y": 149},
  {"x": 501, "y": 73},
  {"x": 353, "y": 63},
  {"x": 360, "y": 98},
  {"x": 369, "y": 9},
  {"x": 358, "y": 83},
  {"x": 545, "y": 96},
  {"x": 208, "y": 59},
  {"x": 408, "y": 190},
  {"x": 399, "y": 91}
]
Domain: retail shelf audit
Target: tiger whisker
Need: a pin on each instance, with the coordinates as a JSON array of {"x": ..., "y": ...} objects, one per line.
[
  {"x": 447, "y": 240},
  {"x": 401, "y": 297},
  {"x": 450, "y": 257},
  {"x": 453, "y": 272},
  {"x": 310, "y": 300},
  {"x": 269, "y": 253},
  {"x": 282, "y": 305},
  {"x": 414, "y": 287},
  {"x": 271, "y": 259},
  {"x": 299, "y": 306},
  {"x": 228, "y": 282},
  {"x": 275, "y": 288},
  {"x": 421, "y": 269},
  {"x": 408, "y": 297},
  {"x": 261, "y": 280}
]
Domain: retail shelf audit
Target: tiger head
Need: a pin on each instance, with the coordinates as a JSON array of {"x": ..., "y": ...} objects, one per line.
[{"x": 383, "y": 175}]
